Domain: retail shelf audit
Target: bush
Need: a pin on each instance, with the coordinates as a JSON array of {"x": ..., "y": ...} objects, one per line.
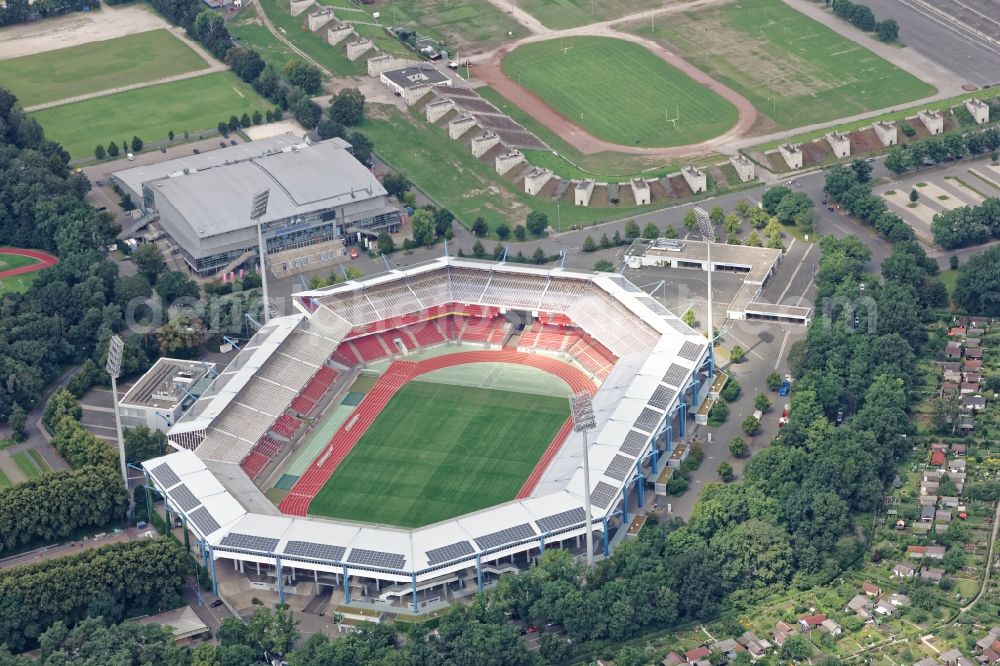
[
  {"x": 736, "y": 354},
  {"x": 726, "y": 472},
  {"x": 731, "y": 391},
  {"x": 739, "y": 448},
  {"x": 718, "y": 414},
  {"x": 751, "y": 425}
]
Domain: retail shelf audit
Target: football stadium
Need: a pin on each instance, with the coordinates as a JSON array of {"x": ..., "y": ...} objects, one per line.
[{"x": 406, "y": 439}]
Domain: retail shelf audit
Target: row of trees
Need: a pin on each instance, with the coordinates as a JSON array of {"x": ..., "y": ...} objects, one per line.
[
  {"x": 112, "y": 150},
  {"x": 967, "y": 225},
  {"x": 851, "y": 187},
  {"x": 21, "y": 11},
  {"x": 70, "y": 310},
  {"x": 862, "y": 16},
  {"x": 120, "y": 580},
  {"x": 916, "y": 154}
]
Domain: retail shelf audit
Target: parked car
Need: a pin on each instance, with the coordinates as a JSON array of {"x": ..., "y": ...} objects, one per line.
[
  {"x": 786, "y": 386},
  {"x": 216, "y": 603}
]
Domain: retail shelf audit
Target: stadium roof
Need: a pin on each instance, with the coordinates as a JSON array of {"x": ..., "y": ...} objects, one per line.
[
  {"x": 658, "y": 357},
  {"x": 212, "y": 192}
]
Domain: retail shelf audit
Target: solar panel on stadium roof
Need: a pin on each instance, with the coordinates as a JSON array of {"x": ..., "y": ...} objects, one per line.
[
  {"x": 620, "y": 467},
  {"x": 677, "y": 325},
  {"x": 654, "y": 305},
  {"x": 503, "y": 537},
  {"x": 625, "y": 284},
  {"x": 316, "y": 551},
  {"x": 648, "y": 420},
  {"x": 204, "y": 521},
  {"x": 675, "y": 374},
  {"x": 249, "y": 542},
  {"x": 376, "y": 558},
  {"x": 560, "y": 520},
  {"x": 662, "y": 397},
  {"x": 165, "y": 476},
  {"x": 182, "y": 497},
  {"x": 690, "y": 351},
  {"x": 603, "y": 494},
  {"x": 634, "y": 443},
  {"x": 452, "y": 551}
]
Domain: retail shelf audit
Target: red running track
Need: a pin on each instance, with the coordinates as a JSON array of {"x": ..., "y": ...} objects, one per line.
[
  {"x": 44, "y": 258},
  {"x": 399, "y": 373}
]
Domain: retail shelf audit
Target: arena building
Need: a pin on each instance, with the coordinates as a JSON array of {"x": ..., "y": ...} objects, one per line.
[
  {"x": 318, "y": 193},
  {"x": 647, "y": 371}
]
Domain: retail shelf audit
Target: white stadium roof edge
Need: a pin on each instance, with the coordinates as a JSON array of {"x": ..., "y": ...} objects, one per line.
[{"x": 659, "y": 358}]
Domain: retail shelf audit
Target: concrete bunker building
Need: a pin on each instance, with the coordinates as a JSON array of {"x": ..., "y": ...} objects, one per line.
[{"x": 319, "y": 193}]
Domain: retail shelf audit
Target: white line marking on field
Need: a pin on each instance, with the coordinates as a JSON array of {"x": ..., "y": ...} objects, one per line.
[{"x": 238, "y": 92}]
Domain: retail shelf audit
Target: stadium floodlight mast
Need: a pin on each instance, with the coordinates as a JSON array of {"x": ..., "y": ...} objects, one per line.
[
  {"x": 114, "y": 367},
  {"x": 581, "y": 408},
  {"x": 257, "y": 209},
  {"x": 707, "y": 230}
]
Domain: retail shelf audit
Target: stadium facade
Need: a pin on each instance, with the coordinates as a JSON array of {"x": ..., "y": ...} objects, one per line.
[
  {"x": 660, "y": 370},
  {"x": 319, "y": 192}
]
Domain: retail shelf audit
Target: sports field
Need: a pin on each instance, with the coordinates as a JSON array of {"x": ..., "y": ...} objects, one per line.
[
  {"x": 559, "y": 14},
  {"x": 438, "y": 451},
  {"x": 88, "y": 68},
  {"x": 149, "y": 113},
  {"x": 9, "y": 262},
  {"x": 620, "y": 91},
  {"x": 465, "y": 24},
  {"x": 793, "y": 69},
  {"x": 19, "y": 268}
]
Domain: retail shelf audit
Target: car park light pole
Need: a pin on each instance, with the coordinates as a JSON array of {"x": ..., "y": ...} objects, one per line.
[{"x": 582, "y": 412}]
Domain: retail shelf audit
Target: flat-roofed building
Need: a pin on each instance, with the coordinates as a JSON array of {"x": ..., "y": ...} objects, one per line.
[
  {"x": 318, "y": 192},
  {"x": 161, "y": 395}
]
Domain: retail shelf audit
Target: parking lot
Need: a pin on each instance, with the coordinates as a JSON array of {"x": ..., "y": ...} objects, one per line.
[{"x": 938, "y": 190}]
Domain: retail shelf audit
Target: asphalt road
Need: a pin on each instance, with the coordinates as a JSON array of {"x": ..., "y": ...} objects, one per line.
[{"x": 972, "y": 58}]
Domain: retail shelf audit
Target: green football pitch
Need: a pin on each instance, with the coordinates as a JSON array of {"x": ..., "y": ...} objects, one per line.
[
  {"x": 620, "y": 91},
  {"x": 438, "y": 451},
  {"x": 78, "y": 70},
  {"x": 794, "y": 70},
  {"x": 149, "y": 113}
]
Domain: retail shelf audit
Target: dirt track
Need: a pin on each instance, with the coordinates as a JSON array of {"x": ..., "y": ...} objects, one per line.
[
  {"x": 588, "y": 144},
  {"x": 77, "y": 28}
]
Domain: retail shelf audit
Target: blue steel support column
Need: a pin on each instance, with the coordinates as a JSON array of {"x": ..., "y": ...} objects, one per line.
[
  {"x": 682, "y": 423},
  {"x": 625, "y": 504},
  {"x": 479, "y": 572},
  {"x": 656, "y": 458},
  {"x": 281, "y": 580},
  {"x": 605, "y": 536},
  {"x": 211, "y": 571},
  {"x": 347, "y": 587},
  {"x": 667, "y": 432},
  {"x": 414, "y": 593},
  {"x": 639, "y": 483},
  {"x": 541, "y": 543}
]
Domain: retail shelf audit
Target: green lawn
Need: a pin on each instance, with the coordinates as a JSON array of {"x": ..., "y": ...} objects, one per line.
[
  {"x": 4, "y": 481},
  {"x": 27, "y": 465},
  {"x": 149, "y": 113},
  {"x": 438, "y": 451},
  {"x": 77, "y": 70},
  {"x": 11, "y": 261},
  {"x": 18, "y": 284},
  {"x": 448, "y": 173},
  {"x": 560, "y": 14},
  {"x": 760, "y": 46},
  {"x": 39, "y": 461},
  {"x": 620, "y": 91},
  {"x": 247, "y": 28},
  {"x": 463, "y": 24}
]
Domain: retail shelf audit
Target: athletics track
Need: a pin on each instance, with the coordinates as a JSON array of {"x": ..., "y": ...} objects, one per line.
[
  {"x": 395, "y": 376},
  {"x": 44, "y": 258}
]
